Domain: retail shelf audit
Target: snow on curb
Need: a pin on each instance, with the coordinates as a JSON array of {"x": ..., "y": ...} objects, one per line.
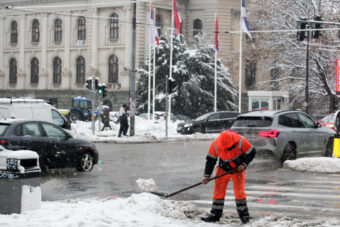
[
  {"x": 142, "y": 209},
  {"x": 316, "y": 165}
]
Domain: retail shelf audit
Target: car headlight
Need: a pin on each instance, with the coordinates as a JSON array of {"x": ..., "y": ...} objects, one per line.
[{"x": 188, "y": 125}]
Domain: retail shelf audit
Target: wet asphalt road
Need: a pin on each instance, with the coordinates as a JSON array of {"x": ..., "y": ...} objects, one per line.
[{"x": 270, "y": 189}]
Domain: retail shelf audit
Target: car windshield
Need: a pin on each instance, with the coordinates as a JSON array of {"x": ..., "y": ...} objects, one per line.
[
  {"x": 253, "y": 122},
  {"x": 3, "y": 128},
  {"x": 204, "y": 116}
]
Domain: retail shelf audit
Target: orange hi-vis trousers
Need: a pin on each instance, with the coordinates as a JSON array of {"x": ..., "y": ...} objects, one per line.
[{"x": 221, "y": 183}]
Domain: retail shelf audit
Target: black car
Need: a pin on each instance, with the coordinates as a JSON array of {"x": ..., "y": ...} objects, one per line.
[
  {"x": 56, "y": 148},
  {"x": 208, "y": 123}
]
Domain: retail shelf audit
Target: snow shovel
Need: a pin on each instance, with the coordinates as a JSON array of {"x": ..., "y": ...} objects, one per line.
[{"x": 166, "y": 195}]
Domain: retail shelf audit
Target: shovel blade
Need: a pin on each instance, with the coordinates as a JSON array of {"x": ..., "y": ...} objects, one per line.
[{"x": 159, "y": 194}]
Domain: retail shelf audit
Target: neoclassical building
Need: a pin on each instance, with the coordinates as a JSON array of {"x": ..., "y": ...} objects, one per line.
[{"x": 48, "y": 48}]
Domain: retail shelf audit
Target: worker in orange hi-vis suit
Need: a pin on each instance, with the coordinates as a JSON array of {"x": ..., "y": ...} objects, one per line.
[{"x": 234, "y": 153}]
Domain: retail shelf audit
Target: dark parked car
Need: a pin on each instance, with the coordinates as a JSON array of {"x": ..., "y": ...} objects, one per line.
[
  {"x": 208, "y": 123},
  {"x": 55, "y": 147},
  {"x": 285, "y": 134}
]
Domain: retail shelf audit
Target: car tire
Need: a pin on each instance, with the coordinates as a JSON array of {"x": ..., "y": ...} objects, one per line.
[
  {"x": 289, "y": 153},
  {"x": 75, "y": 115},
  {"x": 86, "y": 162},
  {"x": 329, "y": 148},
  {"x": 198, "y": 129}
]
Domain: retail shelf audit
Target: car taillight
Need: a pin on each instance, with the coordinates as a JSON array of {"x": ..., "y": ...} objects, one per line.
[
  {"x": 3, "y": 141},
  {"x": 271, "y": 133},
  {"x": 232, "y": 131}
]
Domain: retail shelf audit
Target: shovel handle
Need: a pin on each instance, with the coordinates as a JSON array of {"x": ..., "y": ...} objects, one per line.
[{"x": 194, "y": 185}]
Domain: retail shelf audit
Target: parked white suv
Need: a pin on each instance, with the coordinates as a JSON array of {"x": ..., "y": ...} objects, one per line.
[{"x": 31, "y": 109}]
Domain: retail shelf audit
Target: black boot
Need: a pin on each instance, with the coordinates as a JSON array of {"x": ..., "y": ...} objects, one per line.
[
  {"x": 242, "y": 210},
  {"x": 211, "y": 218},
  {"x": 216, "y": 211}
]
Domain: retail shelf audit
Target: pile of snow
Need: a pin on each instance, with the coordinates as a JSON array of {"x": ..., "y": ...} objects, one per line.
[
  {"x": 137, "y": 210},
  {"x": 145, "y": 131},
  {"x": 146, "y": 184},
  {"x": 317, "y": 165}
]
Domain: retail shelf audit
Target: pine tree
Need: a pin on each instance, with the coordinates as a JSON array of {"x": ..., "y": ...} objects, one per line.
[{"x": 194, "y": 75}]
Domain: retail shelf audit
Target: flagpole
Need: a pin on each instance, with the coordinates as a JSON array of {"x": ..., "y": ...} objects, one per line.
[
  {"x": 170, "y": 72},
  {"x": 215, "y": 84},
  {"x": 154, "y": 82},
  {"x": 240, "y": 68},
  {"x": 149, "y": 80},
  {"x": 154, "y": 74}
]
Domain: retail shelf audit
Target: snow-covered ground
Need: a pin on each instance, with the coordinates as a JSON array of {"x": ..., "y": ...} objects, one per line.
[
  {"x": 145, "y": 131},
  {"x": 137, "y": 210},
  {"x": 316, "y": 165}
]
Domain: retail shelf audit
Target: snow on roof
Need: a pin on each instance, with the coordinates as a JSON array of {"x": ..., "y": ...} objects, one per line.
[
  {"x": 21, "y": 100},
  {"x": 21, "y": 154}
]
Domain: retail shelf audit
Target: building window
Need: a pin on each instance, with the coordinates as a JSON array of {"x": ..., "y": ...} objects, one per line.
[
  {"x": 80, "y": 70},
  {"x": 13, "y": 71},
  {"x": 57, "y": 70},
  {"x": 113, "y": 69},
  {"x": 250, "y": 77},
  {"x": 35, "y": 31},
  {"x": 274, "y": 76},
  {"x": 260, "y": 104},
  {"x": 58, "y": 30},
  {"x": 198, "y": 26},
  {"x": 159, "y": 24},
  {"x": 114, "y": 26},
  {"x": 81, "y": 28},
  {"x": 34, "y": 71},
  {"x": 14, "y": 32}
]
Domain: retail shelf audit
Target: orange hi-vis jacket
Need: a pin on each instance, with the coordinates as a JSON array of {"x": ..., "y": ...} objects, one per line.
[{"x": 232, "y": 149}]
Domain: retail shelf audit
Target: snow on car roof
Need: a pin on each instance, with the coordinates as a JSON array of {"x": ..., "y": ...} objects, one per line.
[
  {"x": 21, "y": 100},
  {"x": 262, "y": 113},
  {"x": 10, "y": 120}
]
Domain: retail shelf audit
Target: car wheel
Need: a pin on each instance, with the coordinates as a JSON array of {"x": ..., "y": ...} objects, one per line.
[
  {"x": 289, "y": 153},
  {"x": 75, "y": 116},
  {"x": 86, "y": 162},
  {"x": 329, "y": 148},
  {"x": 198, "y": 129}
]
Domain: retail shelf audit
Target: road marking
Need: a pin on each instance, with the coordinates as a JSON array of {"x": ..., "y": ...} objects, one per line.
[
  {"x": 273, "y": 207},
  {"x": 275, "y": 188}
]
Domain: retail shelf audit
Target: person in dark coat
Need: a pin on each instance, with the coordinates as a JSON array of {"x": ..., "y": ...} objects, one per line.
[
  {"x": 106, "y": 118},
  {"x": 123, "y": 120}
]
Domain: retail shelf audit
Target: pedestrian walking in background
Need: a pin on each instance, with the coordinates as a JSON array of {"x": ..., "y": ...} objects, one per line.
[
  {"x": 234, "y": 153},
  {"x": 123, "y": 120},
  {"x": 106, "y": 117}
]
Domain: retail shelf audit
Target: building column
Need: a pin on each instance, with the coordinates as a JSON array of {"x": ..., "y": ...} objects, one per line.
[
  {"x": 67, "y": 72},
  {"x": 43, "y": 72},
  {"x": 94, "y": 56},
  {"x": 22, "y": 81},
  {"x": 2, "y": 64}
]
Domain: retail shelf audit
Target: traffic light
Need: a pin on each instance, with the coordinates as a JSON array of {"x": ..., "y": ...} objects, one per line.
[
  {"x": 89, "y": 83},
  {"x": 102, "y": 90},
  {"x": 302, "y": 24},
  {"x": 95, "y": 84},
  {"x": 317, "y": 33},
  {"x": 171, "y": 85}
]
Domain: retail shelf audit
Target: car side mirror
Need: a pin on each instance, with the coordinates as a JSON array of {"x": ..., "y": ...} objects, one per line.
[{"x": 318, "y": 125}]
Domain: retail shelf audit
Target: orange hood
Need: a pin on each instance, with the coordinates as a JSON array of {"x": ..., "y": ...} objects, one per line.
[{"x": 227, "y": 139}]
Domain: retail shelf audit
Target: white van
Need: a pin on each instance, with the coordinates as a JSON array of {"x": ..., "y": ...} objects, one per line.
[{"x": 31, "y": 109}]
